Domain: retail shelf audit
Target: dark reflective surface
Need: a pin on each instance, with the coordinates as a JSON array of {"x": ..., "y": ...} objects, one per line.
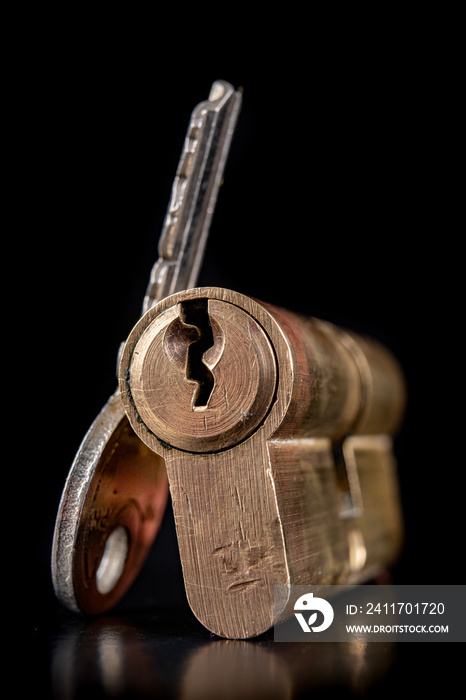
[{"x": 166, "y": 654}]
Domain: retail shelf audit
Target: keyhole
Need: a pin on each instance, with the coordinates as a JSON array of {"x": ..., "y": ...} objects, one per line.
[
  {"x": 194, "y": 342},
  {"x": 195, "y": 313}
]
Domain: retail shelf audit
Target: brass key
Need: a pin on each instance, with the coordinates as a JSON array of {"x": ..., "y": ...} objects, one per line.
[
  {"x": 116, "y": 492},
  {"x": 276, "y": 431}
]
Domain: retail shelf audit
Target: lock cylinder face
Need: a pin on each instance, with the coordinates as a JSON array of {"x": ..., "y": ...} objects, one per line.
[{"x": 203, "y": 375}]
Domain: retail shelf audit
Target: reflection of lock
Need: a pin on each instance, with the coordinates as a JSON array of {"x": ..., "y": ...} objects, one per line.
[{"x": 276, "y": 434}]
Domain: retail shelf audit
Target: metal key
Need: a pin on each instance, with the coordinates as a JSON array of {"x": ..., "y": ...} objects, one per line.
[{"x": 117, "y": 489}]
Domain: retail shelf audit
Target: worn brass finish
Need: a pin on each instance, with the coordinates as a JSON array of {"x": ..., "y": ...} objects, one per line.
[{"x": 304, "y": 489}]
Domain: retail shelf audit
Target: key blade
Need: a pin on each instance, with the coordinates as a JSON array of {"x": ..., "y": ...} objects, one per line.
[{"x": 194, "y": 194}]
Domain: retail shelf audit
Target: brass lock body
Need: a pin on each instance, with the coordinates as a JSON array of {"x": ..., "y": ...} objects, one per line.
[{"x": 276, "y": 432}]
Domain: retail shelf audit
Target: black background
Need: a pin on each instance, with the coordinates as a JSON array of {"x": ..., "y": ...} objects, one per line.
[{"x": 340, "y": 201}]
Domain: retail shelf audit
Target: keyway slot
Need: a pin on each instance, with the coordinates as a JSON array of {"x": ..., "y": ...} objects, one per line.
[{"x": 195, "y": 313}]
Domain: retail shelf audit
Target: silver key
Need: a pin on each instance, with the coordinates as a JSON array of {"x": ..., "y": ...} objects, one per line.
[
  {"x": 116, "y": 492},
  {"x": 194, "y": 194}
]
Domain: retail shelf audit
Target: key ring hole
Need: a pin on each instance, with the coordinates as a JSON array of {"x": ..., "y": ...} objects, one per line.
[{"x": 113, "y": 560}]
